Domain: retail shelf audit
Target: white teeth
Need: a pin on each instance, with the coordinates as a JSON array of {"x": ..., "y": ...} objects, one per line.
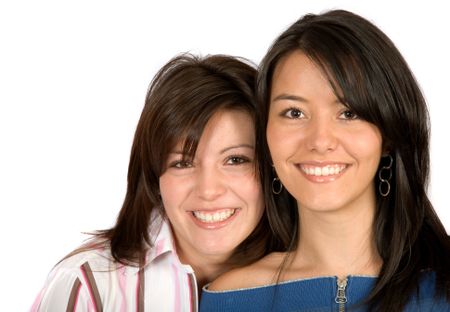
[
  {"x": 214, "y": 217},
  {"x": 322, "y": 171}
]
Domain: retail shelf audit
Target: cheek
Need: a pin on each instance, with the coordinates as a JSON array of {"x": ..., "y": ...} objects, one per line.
[
  {"x": 275, "y": 140},
  {"x": 257, "y": 198},
  {"x": 172, "y": 192},
  {"x": 367, "y": 148},
  {"x": 165, "y": 186},
  {"x": 250, "y": 191},
  {"x": 283, "y": 142}
]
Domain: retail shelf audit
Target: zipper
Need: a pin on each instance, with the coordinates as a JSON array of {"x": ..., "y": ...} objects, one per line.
[{"x": 341, "y": 299}]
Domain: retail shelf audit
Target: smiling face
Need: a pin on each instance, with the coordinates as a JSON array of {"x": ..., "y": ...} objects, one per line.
[
  {"x": 214, "y": 201},
  {"x": 325, "y": 156}
]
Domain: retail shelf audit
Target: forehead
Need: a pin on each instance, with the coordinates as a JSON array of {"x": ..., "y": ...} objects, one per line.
[
  {"x": 225, "y": 128},
  {"x": 295, "y": 58},
  {"x": 299, "y": 76}
]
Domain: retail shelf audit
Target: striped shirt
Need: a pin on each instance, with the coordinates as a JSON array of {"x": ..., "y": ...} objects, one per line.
[{"x": 92, "y": 281}]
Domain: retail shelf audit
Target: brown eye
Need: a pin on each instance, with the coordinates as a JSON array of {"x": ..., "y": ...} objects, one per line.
[
  {"x": 237, "y": 160},
  {"x": 348, "y": 115},
  {"x": 292, "y": 113},
  {"x": 181, "y": 164}
]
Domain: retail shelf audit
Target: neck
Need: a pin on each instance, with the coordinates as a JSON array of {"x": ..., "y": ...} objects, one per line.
[
  {"x": 337, "y": 243},
  {"x": 206, "y": 268},
  {"x": 207, "y": 273}
]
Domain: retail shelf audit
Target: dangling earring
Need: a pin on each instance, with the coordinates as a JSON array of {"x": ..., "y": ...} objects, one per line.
[
  {"x": 384, "y": 182},
  {"x": 277, "y": 186}
]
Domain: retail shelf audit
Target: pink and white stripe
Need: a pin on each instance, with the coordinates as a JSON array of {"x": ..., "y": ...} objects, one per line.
[{"x": 91, "y": 281}]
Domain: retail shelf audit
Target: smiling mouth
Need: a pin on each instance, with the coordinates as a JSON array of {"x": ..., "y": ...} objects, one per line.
[
  {"x": 213, "y": 217},
  {"x": 322, "y": 171}
]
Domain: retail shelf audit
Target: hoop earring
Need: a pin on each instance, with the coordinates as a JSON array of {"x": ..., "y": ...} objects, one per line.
[
  {"x": 384, "y": 182},
  {"x": 277, "y": 186}
]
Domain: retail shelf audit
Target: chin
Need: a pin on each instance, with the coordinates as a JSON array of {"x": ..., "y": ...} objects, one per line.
[
  {"x": 219, "y": 252},
  {"x": 217, "y": 249},
  {"x": 320, "y": 206}
]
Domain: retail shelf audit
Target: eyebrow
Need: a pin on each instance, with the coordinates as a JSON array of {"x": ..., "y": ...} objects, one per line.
[
  {"x": 237, "y": 146},
  {"x": 297, "y": 98},
  {"x": 289, "y": 97},
  {"x": 243, "y": 145}
]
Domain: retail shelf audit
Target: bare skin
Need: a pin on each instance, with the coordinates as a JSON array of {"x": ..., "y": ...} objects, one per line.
[{"x": 327, "y": 158}]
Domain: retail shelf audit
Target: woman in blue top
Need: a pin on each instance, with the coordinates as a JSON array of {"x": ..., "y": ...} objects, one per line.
[{"x": 348, "y": 133}]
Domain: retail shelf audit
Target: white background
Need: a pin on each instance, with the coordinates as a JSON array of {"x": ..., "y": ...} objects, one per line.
[{"x": 73, "y": 77}]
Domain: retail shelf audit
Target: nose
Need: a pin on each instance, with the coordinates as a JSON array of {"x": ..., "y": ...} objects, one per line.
[
  {"x": 321, "y": 135},
  {"x": 210, "y": 184}
]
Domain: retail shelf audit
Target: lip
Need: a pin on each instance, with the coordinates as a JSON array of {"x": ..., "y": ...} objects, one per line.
[
  {"x": 322, "y": 164},
  {"x": 213, "y": 225}
]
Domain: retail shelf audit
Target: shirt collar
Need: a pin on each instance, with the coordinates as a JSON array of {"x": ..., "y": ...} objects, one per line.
[
  {"x": 162, "y": 239},
  {"x": 163, "y": 242}
]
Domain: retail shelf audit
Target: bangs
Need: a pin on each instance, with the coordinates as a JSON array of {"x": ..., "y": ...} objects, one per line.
[
  {"x": 349, "y": 71},
  {"x": 188, "y": 137}
]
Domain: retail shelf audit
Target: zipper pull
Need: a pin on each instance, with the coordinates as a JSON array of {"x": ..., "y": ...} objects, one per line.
[{"x": 341, "y": 299}]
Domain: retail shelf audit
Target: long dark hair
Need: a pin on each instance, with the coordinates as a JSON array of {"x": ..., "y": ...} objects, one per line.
[
  {"x": 370, "y": 76},
  {"x": 182, "y": 97}
]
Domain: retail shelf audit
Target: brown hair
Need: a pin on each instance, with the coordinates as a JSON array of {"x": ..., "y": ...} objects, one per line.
[
  {"x": 370, "y": 76},
  {"x": 182, "y": 97}
]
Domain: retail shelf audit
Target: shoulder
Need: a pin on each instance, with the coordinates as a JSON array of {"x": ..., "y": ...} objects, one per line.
[
  {"x": 73, "y": 279},
  {"x": 260, "y": 273},
  {"x": 98, "y": 257},
  {"x": 428, "y": 296},
  {"x": 66, "y": 279},
  {"x": 80, "y": 262}
]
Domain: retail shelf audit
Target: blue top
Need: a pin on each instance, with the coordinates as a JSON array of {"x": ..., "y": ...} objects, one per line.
[{"x": 315, "y": 295}]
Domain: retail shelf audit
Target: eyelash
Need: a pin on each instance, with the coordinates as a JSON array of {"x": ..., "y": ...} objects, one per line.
[
  {"x": 180, "y": 164},
  {"x": 233, "y": 160},
  {"x": 287, "y": 113},
  {"x": 348, "y": 111},
  {"x": 290, "y": 110},
  {"x": 241, "y": 159}
]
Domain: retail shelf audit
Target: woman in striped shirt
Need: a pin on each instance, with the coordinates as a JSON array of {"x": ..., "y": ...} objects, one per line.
[{"x": 193, "y": 205}]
